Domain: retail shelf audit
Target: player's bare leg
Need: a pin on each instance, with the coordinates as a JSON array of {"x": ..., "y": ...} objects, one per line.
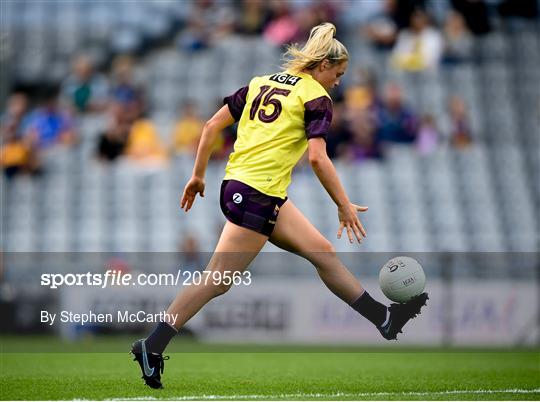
[{"x": 235, "y": 250}]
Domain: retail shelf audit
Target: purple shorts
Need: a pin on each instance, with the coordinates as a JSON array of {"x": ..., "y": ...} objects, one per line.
[{"x": 249, "y": 208}]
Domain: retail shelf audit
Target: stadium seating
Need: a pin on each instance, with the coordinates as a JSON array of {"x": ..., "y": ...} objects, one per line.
[
  {"x": 41, "y": 37},
  {"x": 480, "y": 199}
]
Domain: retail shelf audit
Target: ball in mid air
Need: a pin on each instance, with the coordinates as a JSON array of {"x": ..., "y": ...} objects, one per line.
[{"x": 402, "y": 279}]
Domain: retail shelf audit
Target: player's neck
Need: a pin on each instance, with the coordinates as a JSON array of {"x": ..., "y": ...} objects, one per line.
[
  {"x": 313, "y": 73},
  {"x": 309, "y": 72}
]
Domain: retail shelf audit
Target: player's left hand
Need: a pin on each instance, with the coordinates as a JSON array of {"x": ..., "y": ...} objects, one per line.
[
  {"x": 348, "y": 219},
  {"x": 194, "y": 186}
]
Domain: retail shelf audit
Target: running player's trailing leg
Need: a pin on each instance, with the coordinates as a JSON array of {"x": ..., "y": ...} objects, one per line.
[{"x": 246, "y": 244}]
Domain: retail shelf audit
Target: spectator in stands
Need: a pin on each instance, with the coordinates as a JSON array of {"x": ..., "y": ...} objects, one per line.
[
  {"x": 283, "y": 27},
  {"x": 458, "y": 41},
  {"x": 403, "y": 10},
  {"x": 50, "y": 124},
  {"x": 194, "y": 37},
  {"x": 187, "y": 130},
  {"x": 475, "y": 14},
  {"x": 112, "y": 142},
  {"x": 361, "y": 106},
  {"x": 208, "y": 21},
  {"x": 125, "y": 90},
  {"x": 362, "y": 94},
  {"x": 419, "y": 47},
  {"x": 15, "y": 118},
  {"x": 382, "y": 30},
  {"x": 394, "y": 120},
  {"x": 428, "y": 136},
  {"x": 460, "y": 132},
  {"x": 325, "y": 11},
  {"x": 84, "y": 90},
  {"x": 305, "y": 18},
  {"x": 144, "y": 146},
  {"x": 253, "y": 16},
  {"x": 308, "y": 15},
  {"x": 364, "y": 143},
  {"x": 15, "y": 155}
]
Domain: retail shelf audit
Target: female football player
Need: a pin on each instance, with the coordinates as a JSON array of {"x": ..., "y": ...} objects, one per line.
[{"x": 279, "y": 116}]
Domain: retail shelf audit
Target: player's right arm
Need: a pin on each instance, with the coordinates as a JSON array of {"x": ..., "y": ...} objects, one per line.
[
  {"x": 212, "y": 128},
  {"x": 326, "y": 172}
]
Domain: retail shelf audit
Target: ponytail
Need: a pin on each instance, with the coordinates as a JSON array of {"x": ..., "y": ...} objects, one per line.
[{"x": 321, "y": 45}]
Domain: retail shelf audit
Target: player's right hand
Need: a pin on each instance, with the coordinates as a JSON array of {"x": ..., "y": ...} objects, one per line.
[
  {"x": 348, "y": 219},
  {"x": 194, "y": 186}
]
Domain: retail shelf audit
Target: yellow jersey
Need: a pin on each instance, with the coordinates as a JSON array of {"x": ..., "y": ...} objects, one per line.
[{"x": 276, "y": 116}]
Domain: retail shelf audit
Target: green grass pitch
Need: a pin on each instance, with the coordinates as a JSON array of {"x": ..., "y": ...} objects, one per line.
[{"x": 274, "y": 373}]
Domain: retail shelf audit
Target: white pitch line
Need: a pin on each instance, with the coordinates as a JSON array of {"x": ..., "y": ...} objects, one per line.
[{"x": 334, "y": 395}]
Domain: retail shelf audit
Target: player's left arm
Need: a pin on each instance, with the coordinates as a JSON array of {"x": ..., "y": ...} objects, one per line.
[
  {"x": 327, "y": 174},
  {"x": 317, "y": 118},
  {"x": 212, "y": 128}
]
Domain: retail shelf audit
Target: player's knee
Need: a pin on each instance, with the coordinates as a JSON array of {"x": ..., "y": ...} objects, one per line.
[
  {"x": 324, "y": 249},
  {"x": 327, "y": 247}
]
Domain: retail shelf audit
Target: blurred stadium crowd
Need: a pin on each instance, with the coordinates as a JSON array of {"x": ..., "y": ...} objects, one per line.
[{"x": 98, "y": 83}]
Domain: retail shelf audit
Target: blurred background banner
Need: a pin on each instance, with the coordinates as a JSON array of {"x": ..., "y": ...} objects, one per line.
[{"x": 436, "y": 128}]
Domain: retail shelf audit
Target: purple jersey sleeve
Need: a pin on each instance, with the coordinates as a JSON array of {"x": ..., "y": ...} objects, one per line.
[
  {"x": 317, "y": 117},
  {"x": 236, "y": 102}
]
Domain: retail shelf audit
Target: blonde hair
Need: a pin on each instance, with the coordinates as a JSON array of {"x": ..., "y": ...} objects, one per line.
[{"x": 321, "y": 45}]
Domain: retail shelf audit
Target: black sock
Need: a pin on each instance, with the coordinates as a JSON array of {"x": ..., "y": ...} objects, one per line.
[
  {"x": 370, "y": 308},
  {"x": 160, "y": 338}
]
